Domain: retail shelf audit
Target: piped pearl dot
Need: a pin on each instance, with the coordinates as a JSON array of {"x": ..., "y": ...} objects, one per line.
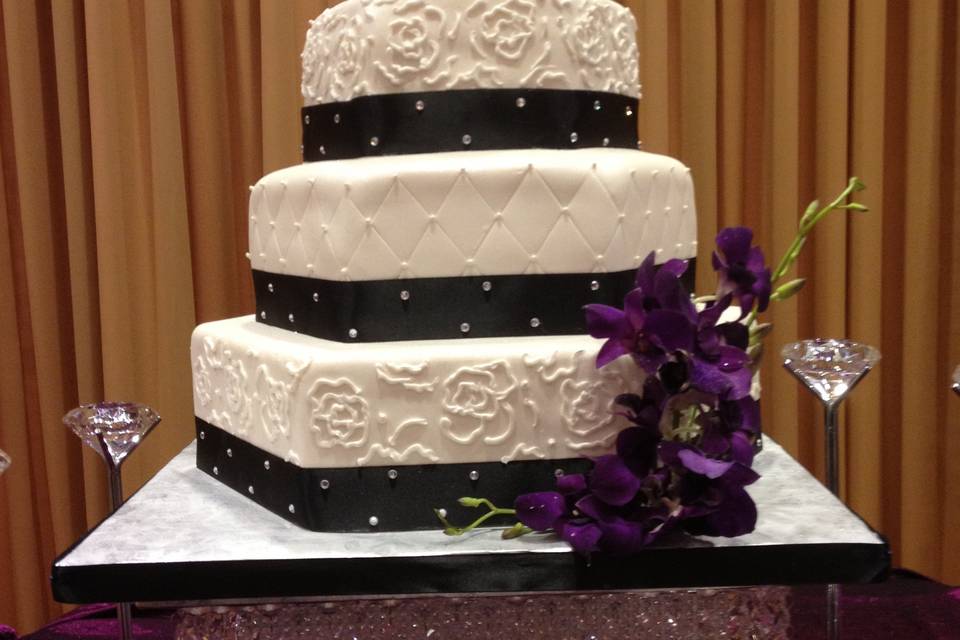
[
  {"x": 290, "y": 317},
  {"x": 442, "y": 513},
  {"x": 629, "y": 111},
  {"x": 374, "y": 521},
  {"x": 202, "y": 435},
  {"x": 323, "y": 150},
  {"x": 558, "y": 472}
]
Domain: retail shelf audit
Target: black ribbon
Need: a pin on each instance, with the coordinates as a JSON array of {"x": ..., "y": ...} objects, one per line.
[
  {"x": 438, "y": 308},
  {"x": 400, "y": 497},
  {"x": 473, "y": 119}
]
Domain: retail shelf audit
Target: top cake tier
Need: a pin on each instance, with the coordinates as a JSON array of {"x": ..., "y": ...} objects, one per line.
[{"x": 373, "y": 47}]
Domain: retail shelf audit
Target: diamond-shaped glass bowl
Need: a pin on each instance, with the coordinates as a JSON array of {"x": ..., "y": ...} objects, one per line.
[
  {"x": 829, "y": 368},
  {"x": 112, "y": 429},
  {"x": 4, "y": 461}
]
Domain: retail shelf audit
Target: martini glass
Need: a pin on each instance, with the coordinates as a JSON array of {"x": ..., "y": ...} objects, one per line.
[
  {"x": 113, "y": 430},
  {"x": 956, "y": 381},
  {"x": 830, "y": 369},
  {"x": 4, "y": 461}
]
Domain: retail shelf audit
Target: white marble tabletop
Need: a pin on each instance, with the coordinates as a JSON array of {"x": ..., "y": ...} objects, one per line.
[{"x": 185, "y": 518}]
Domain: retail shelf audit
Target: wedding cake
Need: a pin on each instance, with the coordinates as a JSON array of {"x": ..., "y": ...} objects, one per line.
[{"x": 471, "y": 179}]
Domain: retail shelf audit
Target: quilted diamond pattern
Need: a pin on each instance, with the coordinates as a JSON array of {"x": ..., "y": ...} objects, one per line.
[{"x": 472, "y": 213}]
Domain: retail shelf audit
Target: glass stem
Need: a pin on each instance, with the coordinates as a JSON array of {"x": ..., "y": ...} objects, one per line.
[
  {"x": 116, "y": 487},
  {"x": 126, "y": 621},
  {"x": 833, "y": 611},
  {"x": 832, "y": 448},
  {"x": 124, "y": 612}
]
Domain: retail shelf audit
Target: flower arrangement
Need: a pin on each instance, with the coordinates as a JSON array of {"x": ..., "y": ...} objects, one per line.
[{"x": 685, "y": 459}]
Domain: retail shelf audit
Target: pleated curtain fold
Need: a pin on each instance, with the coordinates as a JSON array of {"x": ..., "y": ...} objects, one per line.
[{"x": 130, "y": 130}]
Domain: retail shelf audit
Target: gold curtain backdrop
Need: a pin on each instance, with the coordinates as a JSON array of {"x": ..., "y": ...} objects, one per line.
[{"x": 129, "y": 131}]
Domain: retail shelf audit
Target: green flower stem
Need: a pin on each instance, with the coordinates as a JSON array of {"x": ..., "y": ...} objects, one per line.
[
  {"x": 493, "y": 510},
  {"x": 810, "y": 218}
]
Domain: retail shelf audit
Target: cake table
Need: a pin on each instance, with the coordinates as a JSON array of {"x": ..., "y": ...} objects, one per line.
[{"x": 185, "y": 538}]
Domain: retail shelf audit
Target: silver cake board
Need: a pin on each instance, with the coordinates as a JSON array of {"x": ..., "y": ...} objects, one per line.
[{"x": 186, "y": 537}]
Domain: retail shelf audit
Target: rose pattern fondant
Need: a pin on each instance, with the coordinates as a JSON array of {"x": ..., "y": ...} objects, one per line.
[
  {"x": 480, "y": 397},
  {"x": 369, "y": 47},
  {"x": 547, "y": 401},
  {"x": 507, "y": 28},
  {"x": 339, "y": 414},
  {"x": 273, "y": 395}
]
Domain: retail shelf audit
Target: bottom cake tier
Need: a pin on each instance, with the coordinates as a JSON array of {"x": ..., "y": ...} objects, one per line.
[{"x": 351, "y": 437}]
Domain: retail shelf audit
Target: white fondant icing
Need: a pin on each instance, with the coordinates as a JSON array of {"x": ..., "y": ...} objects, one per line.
[
  {"x": 365, "y": 47},
  {"x": 472, "y": 213},
  {"x": 324, "y": 396}
]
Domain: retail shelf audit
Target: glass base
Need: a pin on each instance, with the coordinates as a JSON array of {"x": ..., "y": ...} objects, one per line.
[{"x": 758, "y": 613}]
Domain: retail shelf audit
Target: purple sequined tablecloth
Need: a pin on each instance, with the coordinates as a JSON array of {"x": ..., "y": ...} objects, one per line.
[{"x": 906, "y": 606}]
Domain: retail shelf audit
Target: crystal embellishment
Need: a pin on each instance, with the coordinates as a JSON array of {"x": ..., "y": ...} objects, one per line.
[
  {"x": 956, "y": 381},
  {"x": 521, "y": 102},
  {"x": 112, "y": 429},
  {"x": 4, "y": 461},
  {"x": 829, "y": 368},
  {"x": 419, "y": 105}
]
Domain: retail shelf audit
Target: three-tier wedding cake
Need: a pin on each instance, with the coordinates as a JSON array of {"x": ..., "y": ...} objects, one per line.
[{"x": 471, "y": 179}]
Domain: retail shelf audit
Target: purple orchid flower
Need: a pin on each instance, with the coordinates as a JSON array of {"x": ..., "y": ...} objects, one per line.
[
  {"x": 741, "y": 269},
  {"x": 657, "y": 318}
]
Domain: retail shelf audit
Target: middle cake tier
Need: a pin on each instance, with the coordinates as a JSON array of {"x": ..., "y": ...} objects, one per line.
[
  {"x": 472, "y": 213},
  {"x": 324, "y": 404}
]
